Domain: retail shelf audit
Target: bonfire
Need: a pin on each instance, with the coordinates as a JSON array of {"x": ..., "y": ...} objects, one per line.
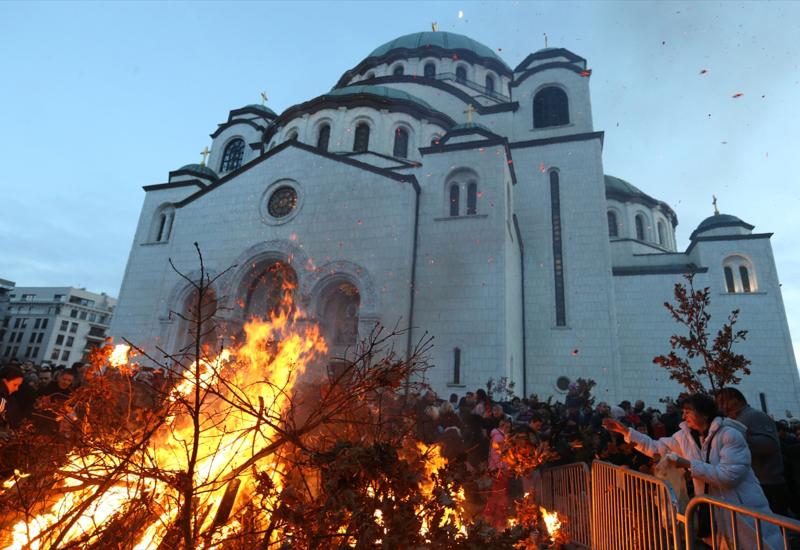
[{"x": 258, "y": 445}]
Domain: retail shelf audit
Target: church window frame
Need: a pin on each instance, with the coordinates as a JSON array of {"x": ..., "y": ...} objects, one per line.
[
  {"x": 399, "y": 70},
  {"x": 264, "y": 202},
  {"x": 472, "y": 198},
  {"x": 402, "y": 141},
  {"x": 739, "y": 274},
  {"x": 558, "y": 249},
  {"x": 456, "y": 378},
  {"x": 162, "y": 224},
  {"x": 292, "y": 135},
  {"x": 550, "y": 107},
  {"x": 462, "y": 182},
  {"x": 461, "y": 74},
  {"x": 429, "y": 69},
  {"x": 361, "y": 135},
  {"x": 661, "y": 228},
  {"x": 490, "y": 84},
  {"x": 323, "y": 135},
  {"x": 613, "y": 224},
  {"x": 454, "y": 201},
  {"x": 640, "y": 226},
  {"x": 233, "y": 155}
]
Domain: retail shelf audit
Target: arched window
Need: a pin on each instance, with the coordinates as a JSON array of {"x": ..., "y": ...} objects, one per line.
[
  {"x": 550, "y": 108},
  {"x": 398, "y": 70},
  {"x": 162, "y": 224},
  {"x": 267, "y": 289},
  {"x": 361, "y": 141},
  {"x": 745, "y": 276},
  {"x": 461, "y": 74},
  {"x": 429, "y": 70},
  {"x": 640, "y": 233},
  {"x": 401, "y": 143},
  {"x": 338, "y": 313},
  {"x": 472, "y": 198},
  {"x": 454, "y": 192},
  {"x": 196, "y": 312},
  {"x": 370, "y": 75},
  {"x": 233, "y": 155},
  {"x": 662, "y": 233},
  {"x": 739, "y": 274},
  {"x": 292, "y": 136},
  {"x": 489, "y": 83},
  {"x": 324, "y": 137},
  {"x": 730, "y": 284},
  {"x": 613, "y": 229}
]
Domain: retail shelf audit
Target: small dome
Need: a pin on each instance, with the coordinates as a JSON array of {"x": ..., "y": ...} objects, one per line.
[
  {"x": 718, "y": 221},
  {"x": 200, "y": 169},
  {"x": 444, "y": 40},
  {"x": 469, "y": 126},
  {"x": 263, "y": 108},
  {"x": 380, "y": 91},
  {"x": 617, "y": 186}
]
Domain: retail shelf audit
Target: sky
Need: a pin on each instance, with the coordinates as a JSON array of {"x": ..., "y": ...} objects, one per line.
[{"x": 98, "y": 99}]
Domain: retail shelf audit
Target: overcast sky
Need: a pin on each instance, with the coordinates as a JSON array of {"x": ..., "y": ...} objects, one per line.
[{"x": 98, "y": 99}]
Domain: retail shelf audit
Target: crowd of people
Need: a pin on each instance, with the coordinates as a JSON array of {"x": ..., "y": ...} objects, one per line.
[
  {"x": 724, "y": 446},
  {"x": 472, "y": 427}
]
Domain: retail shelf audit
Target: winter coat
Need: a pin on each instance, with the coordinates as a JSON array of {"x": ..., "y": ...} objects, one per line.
[
  {"x": 495, "y": 461},
  {"x": 727, "y": 474}
]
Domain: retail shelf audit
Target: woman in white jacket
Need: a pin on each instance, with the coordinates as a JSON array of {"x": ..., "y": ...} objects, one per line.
[{"x": 714, "y": 450}]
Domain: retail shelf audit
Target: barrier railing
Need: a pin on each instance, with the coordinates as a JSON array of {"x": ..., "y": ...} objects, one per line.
[
  {"x": 737, "y": 527},
  {"x": 567, "y": 490},
  {"x": 632, "y": 510}
]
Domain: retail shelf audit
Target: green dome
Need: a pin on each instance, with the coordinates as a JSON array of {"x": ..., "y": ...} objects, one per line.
[
  {"x": 719, "y": 220},
  {"x": 444, "y": 40},
  {"x": 620, "y": 187},
  {"x": 470, "y": 126},
  {"x": 380, "y": 91},
  {"x": 199, "y": 168},
  {"x": 262, "y": 108}
]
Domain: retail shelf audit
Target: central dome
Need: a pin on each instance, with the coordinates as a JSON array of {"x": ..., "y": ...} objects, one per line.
[{"x": 444, "y": 40}]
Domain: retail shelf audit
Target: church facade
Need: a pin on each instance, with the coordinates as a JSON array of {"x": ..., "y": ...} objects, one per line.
[{"x": 436, "y": 187}]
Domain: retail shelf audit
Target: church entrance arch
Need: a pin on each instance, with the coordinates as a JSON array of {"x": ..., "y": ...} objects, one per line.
[
  {"x": 270, "y": 285},
  {"x": 338, "y": 313},
  {"x": 191, "y": 313}
]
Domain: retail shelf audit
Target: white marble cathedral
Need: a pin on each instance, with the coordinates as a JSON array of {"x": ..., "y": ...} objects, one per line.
[{"x": 436, "y": 187}]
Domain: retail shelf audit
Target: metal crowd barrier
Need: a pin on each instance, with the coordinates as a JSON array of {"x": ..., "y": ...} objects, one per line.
[
  {"x": 743, "y": 534},
  {"x": 567, "y": 490},
  {"x": 632, "y": 510}
]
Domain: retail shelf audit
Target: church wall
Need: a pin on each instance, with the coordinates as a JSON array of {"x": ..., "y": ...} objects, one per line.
[
  {"x": 645, "y": 327},
  {"x": 461, "y": 265},
  {"x": 345, "y": 215},
  {"x": 586, "y": 347},
  {"x": 580, "y": 110}
]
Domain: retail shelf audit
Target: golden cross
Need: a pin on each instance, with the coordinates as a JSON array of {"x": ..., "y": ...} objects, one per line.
[
  {"x": 205, "y": 153},
  {"x": 714, "y": 202},
  {"x": 435, "y": 26},
  {"x": 470, "y": 110},
  {"x": 545, "y": 39},
  {"x": 263, "y": 98}
]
